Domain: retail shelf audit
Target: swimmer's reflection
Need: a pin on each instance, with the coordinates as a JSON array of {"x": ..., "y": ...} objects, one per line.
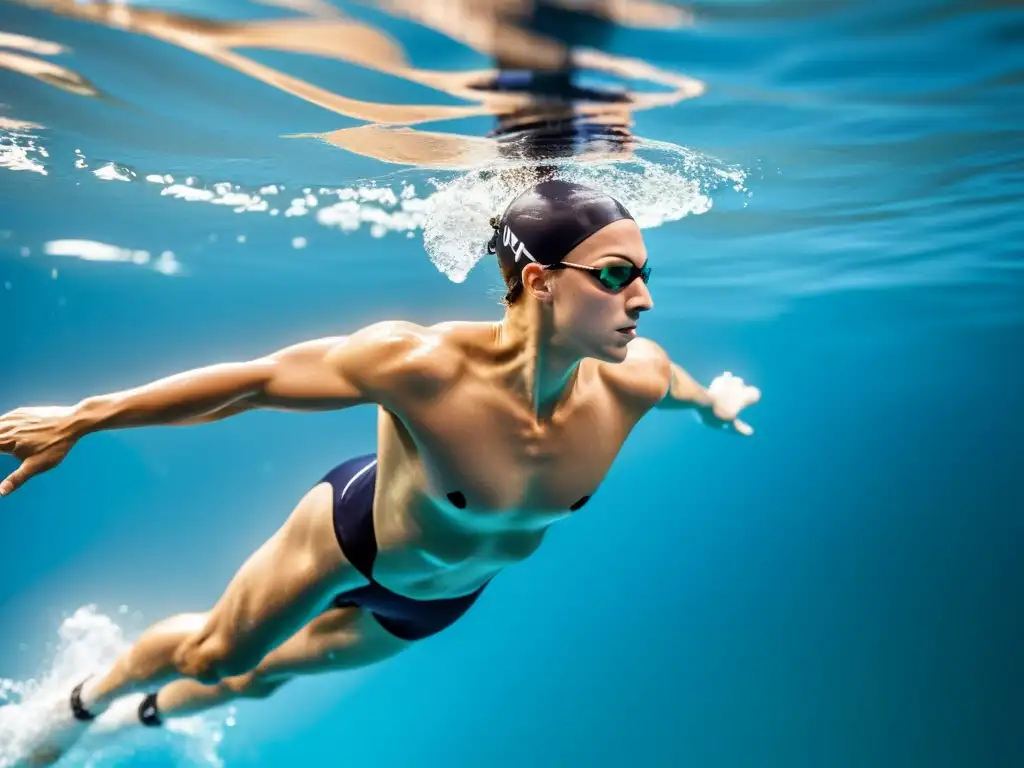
[
  {"x": 541, "y": 49},
  {"x": 545, "y": 103},
  {"x": 552, "y": 124}
]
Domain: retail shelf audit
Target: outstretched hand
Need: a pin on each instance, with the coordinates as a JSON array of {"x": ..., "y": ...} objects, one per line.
[
  {"x": 39, "y": 437},
  {"x": 730, "y": 395}
]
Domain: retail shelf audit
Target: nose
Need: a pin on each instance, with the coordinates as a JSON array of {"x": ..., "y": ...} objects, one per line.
[{"x": 640, "y": 299}]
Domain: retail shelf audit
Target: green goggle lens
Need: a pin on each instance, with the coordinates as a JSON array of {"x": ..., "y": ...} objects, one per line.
[{"x": 619, "y": 276}]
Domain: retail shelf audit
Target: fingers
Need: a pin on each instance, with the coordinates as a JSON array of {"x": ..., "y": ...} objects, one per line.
[
  {"x": 742, "y": 427},
  {"x": 13, "y": 481},
  {"x": 8, "y": 423},
  {"x": 30, "y": 467},
  {"x": 751, "y": 395},
  {"x": 731, "y": 396}
]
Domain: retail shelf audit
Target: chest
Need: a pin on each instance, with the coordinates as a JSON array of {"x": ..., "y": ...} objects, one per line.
[{"x": 487, "y": 453}]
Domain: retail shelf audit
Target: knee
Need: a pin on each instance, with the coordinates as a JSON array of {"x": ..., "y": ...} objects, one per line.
[
  {"x": 253, "y": 685},
  {"x": 210, "y": 659}
]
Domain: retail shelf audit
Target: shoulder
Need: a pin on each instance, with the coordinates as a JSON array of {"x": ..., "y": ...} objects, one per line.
[
  {"x": 397, "y": 356},
  {"x": 644, "y": 376}
]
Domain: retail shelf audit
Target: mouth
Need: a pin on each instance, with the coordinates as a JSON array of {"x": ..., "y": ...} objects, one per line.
[{"x": 629, "y": 330}]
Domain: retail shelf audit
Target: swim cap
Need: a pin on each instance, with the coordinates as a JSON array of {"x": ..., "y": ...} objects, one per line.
[{"x": 544, "y": 223}]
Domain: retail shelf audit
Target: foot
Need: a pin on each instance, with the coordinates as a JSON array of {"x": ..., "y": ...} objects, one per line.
[{"x": 60, "y": 722}]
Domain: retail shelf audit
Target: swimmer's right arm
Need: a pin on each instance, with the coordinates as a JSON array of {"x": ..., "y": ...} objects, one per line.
[
  {"x": 373, "y": 365},
  {"x": 323, "y": 374},
  {"x": 299, "y": 377}
]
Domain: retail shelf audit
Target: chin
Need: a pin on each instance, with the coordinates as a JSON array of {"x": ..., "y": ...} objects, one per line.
[{"x": 613, "y": 353}]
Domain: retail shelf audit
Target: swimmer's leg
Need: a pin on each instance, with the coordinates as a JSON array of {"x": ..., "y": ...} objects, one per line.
[
  {"x": 339, "y": 639},
  {"x": 285, "y": 582},
  {"x": 280, "y": 587}
]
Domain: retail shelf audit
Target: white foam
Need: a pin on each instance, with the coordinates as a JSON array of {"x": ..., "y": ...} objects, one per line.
[
  {"x": 90, "y": 250},
  {"x": 91, "y": 641},
  {"x": 18, "y": 150},
  {"x": 114, "y": 172},
  {"x": 659, "y": 182}
]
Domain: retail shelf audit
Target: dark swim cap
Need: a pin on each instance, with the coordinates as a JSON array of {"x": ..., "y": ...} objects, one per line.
[{"x": 548, "y": 220}]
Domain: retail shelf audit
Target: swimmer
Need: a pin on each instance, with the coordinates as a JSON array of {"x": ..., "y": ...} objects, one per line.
[{"x": 487, "y": 434}]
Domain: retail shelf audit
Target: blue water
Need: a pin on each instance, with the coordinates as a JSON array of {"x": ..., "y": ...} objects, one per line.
[{"x": 844, "y": 589}]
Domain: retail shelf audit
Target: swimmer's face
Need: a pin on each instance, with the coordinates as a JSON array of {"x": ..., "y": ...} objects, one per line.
[{"x": 588, "y": 318}]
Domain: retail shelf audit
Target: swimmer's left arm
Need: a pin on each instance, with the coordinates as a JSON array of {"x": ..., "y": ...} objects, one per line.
[
  {"x": 684, "y": 392},
  {"x": 717, "y": 405}
]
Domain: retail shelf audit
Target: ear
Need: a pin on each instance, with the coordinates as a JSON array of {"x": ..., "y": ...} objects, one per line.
[{"x": 537, "y": 281}]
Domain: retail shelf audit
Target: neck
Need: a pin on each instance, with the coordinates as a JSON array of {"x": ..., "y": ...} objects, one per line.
[{"x": 538, "y": 367}]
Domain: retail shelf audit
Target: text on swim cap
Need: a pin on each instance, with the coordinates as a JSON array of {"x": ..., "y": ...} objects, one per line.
[{"x": 518, "y": 247}]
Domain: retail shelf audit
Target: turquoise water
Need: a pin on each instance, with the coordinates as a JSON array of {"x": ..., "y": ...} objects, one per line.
[{"x": 833, "y": 212}]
